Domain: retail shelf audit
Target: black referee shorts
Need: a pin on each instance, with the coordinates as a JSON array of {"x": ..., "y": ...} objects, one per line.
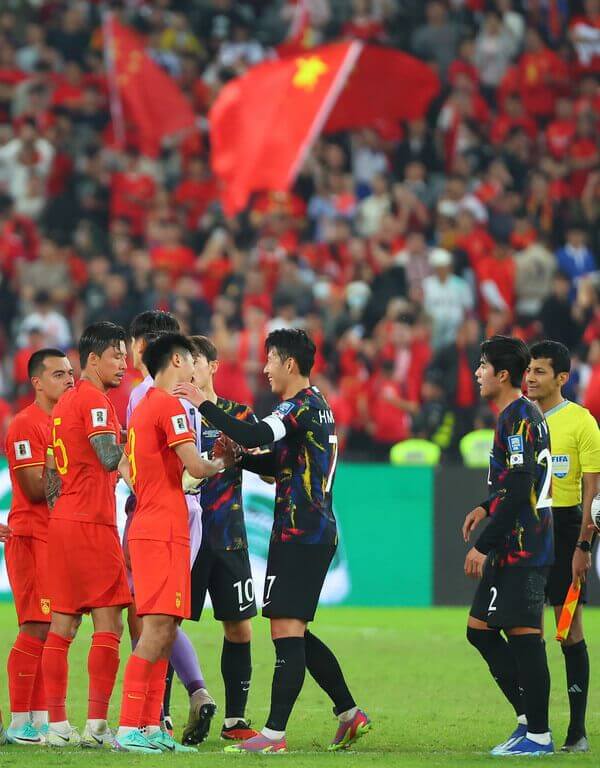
[{"x": 567, "y": 527}]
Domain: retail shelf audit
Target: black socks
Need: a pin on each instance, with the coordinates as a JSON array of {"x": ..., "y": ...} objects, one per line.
[
  {"x": 577, "y": 663},
  {"x": 325, "y": 669},
  {"x": 534, "y": 677},
  {"x": 501, "y": 662},
  {"x": 288, "y": 677},
  {"x": 236, "y": 668}
]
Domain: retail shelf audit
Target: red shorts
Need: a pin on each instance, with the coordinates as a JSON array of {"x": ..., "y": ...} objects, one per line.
[
  {"x": 161, "y": 577},
  {"x": 27, "y": 567},
  {"x": 86, "y": 567}
]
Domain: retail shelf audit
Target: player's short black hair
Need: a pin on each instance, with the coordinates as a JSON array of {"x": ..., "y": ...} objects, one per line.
[
  {"x": 554, "y": 351},
  {"x": 98, "y": 337},
  {"x": 158, "y": 353},
  {"x": 505, "y": 353},
  {"x": 35, "y": 364},
  {"x": 148, "y": 325},
  {"x": 204, "y": 346},
  {"x": 295, "y": 343}
]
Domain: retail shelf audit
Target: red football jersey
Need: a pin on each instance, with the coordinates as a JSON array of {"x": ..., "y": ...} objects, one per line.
[
  {"x": 157, "y": 425},
  {"x": 88, "y": 490},
  {"x": 26, "y": 446}
]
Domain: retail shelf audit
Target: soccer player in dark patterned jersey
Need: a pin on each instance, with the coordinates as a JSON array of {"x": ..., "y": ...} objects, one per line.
[
  {"x": 222, "y": 566},
  {"x": 513, "y": 554},
  {"x": 304, "y": 535}
]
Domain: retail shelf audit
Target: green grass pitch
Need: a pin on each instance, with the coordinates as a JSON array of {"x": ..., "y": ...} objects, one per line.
[{"x": 429, "y": 694}]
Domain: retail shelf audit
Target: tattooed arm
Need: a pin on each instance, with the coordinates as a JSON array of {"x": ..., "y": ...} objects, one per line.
[
  {"x": 107, "y": 450},
  {"x": 52, "y": 482}
]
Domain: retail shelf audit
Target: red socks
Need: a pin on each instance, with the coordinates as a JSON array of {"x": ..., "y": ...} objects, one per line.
[
  {"x": 38, "y": 697},
  {"x": 103, "y": 665},
  {"x": 55, "y": 669},
  {"x": 22, "y": 667},
  {"x": 155, "y": 693},
  {"x": 135, "y": 686}
]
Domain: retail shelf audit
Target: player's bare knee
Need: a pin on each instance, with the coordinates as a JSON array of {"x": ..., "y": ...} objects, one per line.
[
  {"x": 35, "y": 629},
  {"x": 287, "y": 628},
  {"x": 238, "y": 631}
]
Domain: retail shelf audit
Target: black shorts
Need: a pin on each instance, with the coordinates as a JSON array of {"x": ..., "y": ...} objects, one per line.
[
  {"x": 294, "y": 579},
  {"x": 225, "y": 574},
  {"x": 567, "y": 527},
  {"x": 510, "y": 597}
]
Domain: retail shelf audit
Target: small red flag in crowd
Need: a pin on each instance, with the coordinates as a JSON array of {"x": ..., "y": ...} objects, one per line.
[{"x": 141, "y": 92}]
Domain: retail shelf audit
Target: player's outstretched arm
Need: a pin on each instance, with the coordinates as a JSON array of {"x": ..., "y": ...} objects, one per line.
[
  {"x": 107, "y": 450},
  {"x": 195, "y": 464},
  {"x": 246, "y": 434},
  {"x": 52, "y": 481}
]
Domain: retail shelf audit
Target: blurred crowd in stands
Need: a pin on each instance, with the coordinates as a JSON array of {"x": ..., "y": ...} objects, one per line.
[{"x": 399, "y": 247}]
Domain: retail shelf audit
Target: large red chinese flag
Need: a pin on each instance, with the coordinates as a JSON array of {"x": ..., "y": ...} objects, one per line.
[
  {"x": 141, "y": 92},
  {"x": 264, "y": 123}
]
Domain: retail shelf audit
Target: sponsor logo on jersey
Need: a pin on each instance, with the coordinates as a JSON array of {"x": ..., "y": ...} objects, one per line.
[
  {"x": 561, "y": 465},
  {"x": 99, "y": 417},
  {"x": 282, "y": 410},
  {"x": 177, "y": 599},
  {"x": 22, "y": 450},
  {"x": 515, "y": 443},
  {"x": 180, "y": 425}
]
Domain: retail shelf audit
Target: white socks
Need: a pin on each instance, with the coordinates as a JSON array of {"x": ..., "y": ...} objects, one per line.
[
  {"x": 62, "y": 726},
  {"x": 39, "y": 717},
  {"x": 543, "y": 739},
  {"x": 124, "y": 730},
  {"x": 19, "y": 719},
  {"x": 98, "y": 726},
  {"x": 273, "y": 735},
  {"x": 522, "y": 720},
  {"x": 229, "y": 722}
]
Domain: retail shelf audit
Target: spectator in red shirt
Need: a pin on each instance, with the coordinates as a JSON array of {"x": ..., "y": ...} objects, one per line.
[
  {"x": 560, "y": 132},
  {"x": 513, "y": 116},
  {"x": 496, "y": 279},
  {"x": 195, "y": 192},
  {"x": 591, "y": 399},
  {"x": 132, "y": 193},
  {"x": 389, "y": 411},
  {"x": 172, "y": 255},
  {"x": 542, "y": 76},
  {"x": 583, "y": 153},
  {"x": 364, "y": 25}
]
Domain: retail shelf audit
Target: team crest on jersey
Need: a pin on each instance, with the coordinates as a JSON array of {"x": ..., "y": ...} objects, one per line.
[
  {"x": 45, "y": 605},
  {"x": 515, "y": 443},
  {"x": 179, "y": 423},
  {"x": 283, "y": 409},
  {"x": 561, "y": 464},
  {"x": 99, "y": 417},
  {"x": 22, "y": 450}
]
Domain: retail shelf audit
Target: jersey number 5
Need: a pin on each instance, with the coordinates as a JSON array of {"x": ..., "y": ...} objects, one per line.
[{"x": 59, "y": 447}]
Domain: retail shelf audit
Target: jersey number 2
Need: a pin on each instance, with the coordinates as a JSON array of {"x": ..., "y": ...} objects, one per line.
[{"x": 544, "y": 500}]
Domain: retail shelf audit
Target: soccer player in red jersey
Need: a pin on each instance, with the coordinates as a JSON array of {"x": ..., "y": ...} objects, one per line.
[
  {"x": 27, "y": 438},
  {"x": 88, "y": 569},
  {"x": 159, "y": 444}
]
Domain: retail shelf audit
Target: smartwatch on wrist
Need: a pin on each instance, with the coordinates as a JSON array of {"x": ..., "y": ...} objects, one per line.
[{"x": 584, "y": 546}]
